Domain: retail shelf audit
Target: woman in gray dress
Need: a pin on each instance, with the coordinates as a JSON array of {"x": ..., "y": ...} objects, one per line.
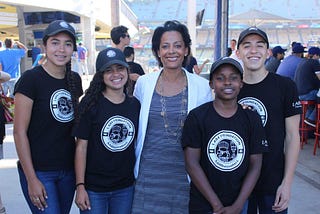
[{"x": 166, "y": 97}]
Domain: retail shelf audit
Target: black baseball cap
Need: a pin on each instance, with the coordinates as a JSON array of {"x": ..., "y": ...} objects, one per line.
[
  {"x": 253, "y": 30},
  {"x": 59, "y": 26},
  {"x": 278, "y": 49},
  {"x": 226, "y": 61},
  {"x": 108, "y": 57}
]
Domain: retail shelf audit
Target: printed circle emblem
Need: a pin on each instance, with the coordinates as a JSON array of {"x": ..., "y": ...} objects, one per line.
[
  {"x": 226, "y": 150},
  {"x": 117, "y": 133},
  {"x": 257, "y": 106},
  {"x": 61, "y": 106}
]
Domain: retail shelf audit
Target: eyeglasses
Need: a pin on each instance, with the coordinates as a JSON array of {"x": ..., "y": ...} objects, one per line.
[{"x": 126, "y": 35}]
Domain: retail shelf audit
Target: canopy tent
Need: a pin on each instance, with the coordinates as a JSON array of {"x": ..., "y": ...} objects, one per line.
[{"x": 255, "y": 17}]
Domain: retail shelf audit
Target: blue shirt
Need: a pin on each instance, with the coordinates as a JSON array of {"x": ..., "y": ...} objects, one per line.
[
  {"x": 10, "y": 61},
  {"x": 288, "y": 66}
]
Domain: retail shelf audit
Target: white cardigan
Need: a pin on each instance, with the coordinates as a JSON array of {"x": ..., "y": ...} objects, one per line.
[{"x": 199, "y": 92}]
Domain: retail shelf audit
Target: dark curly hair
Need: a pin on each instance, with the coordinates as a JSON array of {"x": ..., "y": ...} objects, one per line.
[
  {"x": 170, "y": 26},
  {"x": 96, "y": 87}
]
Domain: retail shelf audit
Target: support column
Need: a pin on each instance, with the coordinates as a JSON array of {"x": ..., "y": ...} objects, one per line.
[
  {"x": 22, "y": 37},
  {"x": 191, "y": 23}
]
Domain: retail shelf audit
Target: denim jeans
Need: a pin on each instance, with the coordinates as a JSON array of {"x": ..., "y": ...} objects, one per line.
[
  {"x": 60, "y": 188},
  {"x": 115, "y": 202},
  {"x": 311, "y": 112},
  {"x": 264, "y": 204}
]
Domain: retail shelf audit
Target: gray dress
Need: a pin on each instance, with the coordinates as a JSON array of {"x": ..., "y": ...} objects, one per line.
[{"x": 162, "y": 186}]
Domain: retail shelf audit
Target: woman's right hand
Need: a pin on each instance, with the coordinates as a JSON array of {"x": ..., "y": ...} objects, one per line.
[
  {"x": 37, "y": 194},
  {"x": 82, "y": 198}
]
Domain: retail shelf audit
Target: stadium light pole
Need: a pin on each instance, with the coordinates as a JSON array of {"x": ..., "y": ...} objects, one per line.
[{"x": 221, "y": 32}]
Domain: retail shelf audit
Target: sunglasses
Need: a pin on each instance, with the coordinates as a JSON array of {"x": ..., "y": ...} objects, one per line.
[{"x": 126, "y": 35}]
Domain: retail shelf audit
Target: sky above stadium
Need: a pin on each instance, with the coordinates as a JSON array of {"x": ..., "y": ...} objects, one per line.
[{"x": 291, "y": 9}]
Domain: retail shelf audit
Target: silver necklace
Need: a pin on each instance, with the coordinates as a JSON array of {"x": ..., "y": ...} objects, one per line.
[{"x": 170, "y": 131}]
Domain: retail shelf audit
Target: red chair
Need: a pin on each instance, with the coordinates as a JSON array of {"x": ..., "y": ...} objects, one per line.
[
  {"x": 305, "y": 128},
  {"x": 317, "y": 131}
]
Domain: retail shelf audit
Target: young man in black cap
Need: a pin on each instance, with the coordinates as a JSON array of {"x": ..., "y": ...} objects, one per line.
[
  {"x": 274, "y": 61},
  {"x": 224, "y": 157},
  {"x": 275, "y": 98}
]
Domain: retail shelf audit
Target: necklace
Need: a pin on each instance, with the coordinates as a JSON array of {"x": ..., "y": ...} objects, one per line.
[{"x": 169, "y": 128}]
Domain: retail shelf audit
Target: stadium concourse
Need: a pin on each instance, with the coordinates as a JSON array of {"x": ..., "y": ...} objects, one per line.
[{"x": 283, "y": 26}]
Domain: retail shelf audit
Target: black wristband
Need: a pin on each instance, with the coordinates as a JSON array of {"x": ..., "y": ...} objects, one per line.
[{"x": 79, "y": 184}]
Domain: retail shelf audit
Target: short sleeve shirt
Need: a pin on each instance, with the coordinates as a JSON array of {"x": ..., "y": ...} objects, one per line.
[
  {"x": 275, "y": 98},
  {"x": 226, "y": 145},
  {"x": 111, "y": 131},
  {"x": 49, "y": 131}
]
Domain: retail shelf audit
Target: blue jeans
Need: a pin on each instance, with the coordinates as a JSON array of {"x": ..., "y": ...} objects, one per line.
[
  {"x": 60, "y": 187},
  {"x": 311, "y": 112},
  {"x": 115, "y": 202},
  {"x": 262, "y": 203}
]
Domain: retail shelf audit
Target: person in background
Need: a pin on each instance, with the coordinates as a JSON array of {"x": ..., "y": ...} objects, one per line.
[
  {"x": 308, "y": 83},
  {"x": 224, "y": 165},
  {"x": 289, "y": 64},
  {"x": 276, "y": 100},
  {"x": 35, "y": 51},
  {"x": 40, "y": 58},
  {"x": 120, "y": 37},
  {"x": 233, "y": 46},
  {"x": 274, "y": 61},
  {"x": 82, "y": 59},
  {"x": 192, "y": 65},
  {"x": 4, "y": 77},
  {"x": 135, "y": 69},
  {"x": 106, "y": 133},
  {"x": 166, "y": 97},
  {"x": 46, "y": 103},
  {"x": 10, "y": 62}
]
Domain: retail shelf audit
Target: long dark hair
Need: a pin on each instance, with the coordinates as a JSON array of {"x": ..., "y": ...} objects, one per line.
[
  {"x": 170, "y": 26},
  {"x": 71, "y": 82},
  {"x": 96, "y": 87},
  {"x": 72, "y": 87}
]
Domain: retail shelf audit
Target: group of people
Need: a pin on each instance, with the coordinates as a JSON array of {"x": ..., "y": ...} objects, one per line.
[
  {"x": 169, "y": 147},
  {"x": 303, "y": 67}
]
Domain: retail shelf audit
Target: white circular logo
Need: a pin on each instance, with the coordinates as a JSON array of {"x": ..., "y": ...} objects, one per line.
[
  {"x": 226, "y": 150},
  {"x": 64, "y": 25},
  {"x": 61, "y": 106},
  {"x": 117, "y": 133},
  {"x": 257, "y": 106},
  {"x": 111, "y": 53}
]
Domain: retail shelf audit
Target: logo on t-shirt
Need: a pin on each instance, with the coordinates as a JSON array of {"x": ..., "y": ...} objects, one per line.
[
  {"x": 117, "y": 133},
  {"x": 226, "y": 150},
  {"x": 257, "y": 106},
  {"x": 61, "y": 106}
]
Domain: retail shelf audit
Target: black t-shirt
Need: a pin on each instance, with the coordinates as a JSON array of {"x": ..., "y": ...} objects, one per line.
[
  {"x": 49, "y": 131},
  {"x": 135, "y": 68},
  {"x": 305, "y": 76},
  {"x": 275, "y": 98},
  {"x": 111, "y": 131},
  {"x": 226, "y": 145},
  {"x": 191, "y": 64}
]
